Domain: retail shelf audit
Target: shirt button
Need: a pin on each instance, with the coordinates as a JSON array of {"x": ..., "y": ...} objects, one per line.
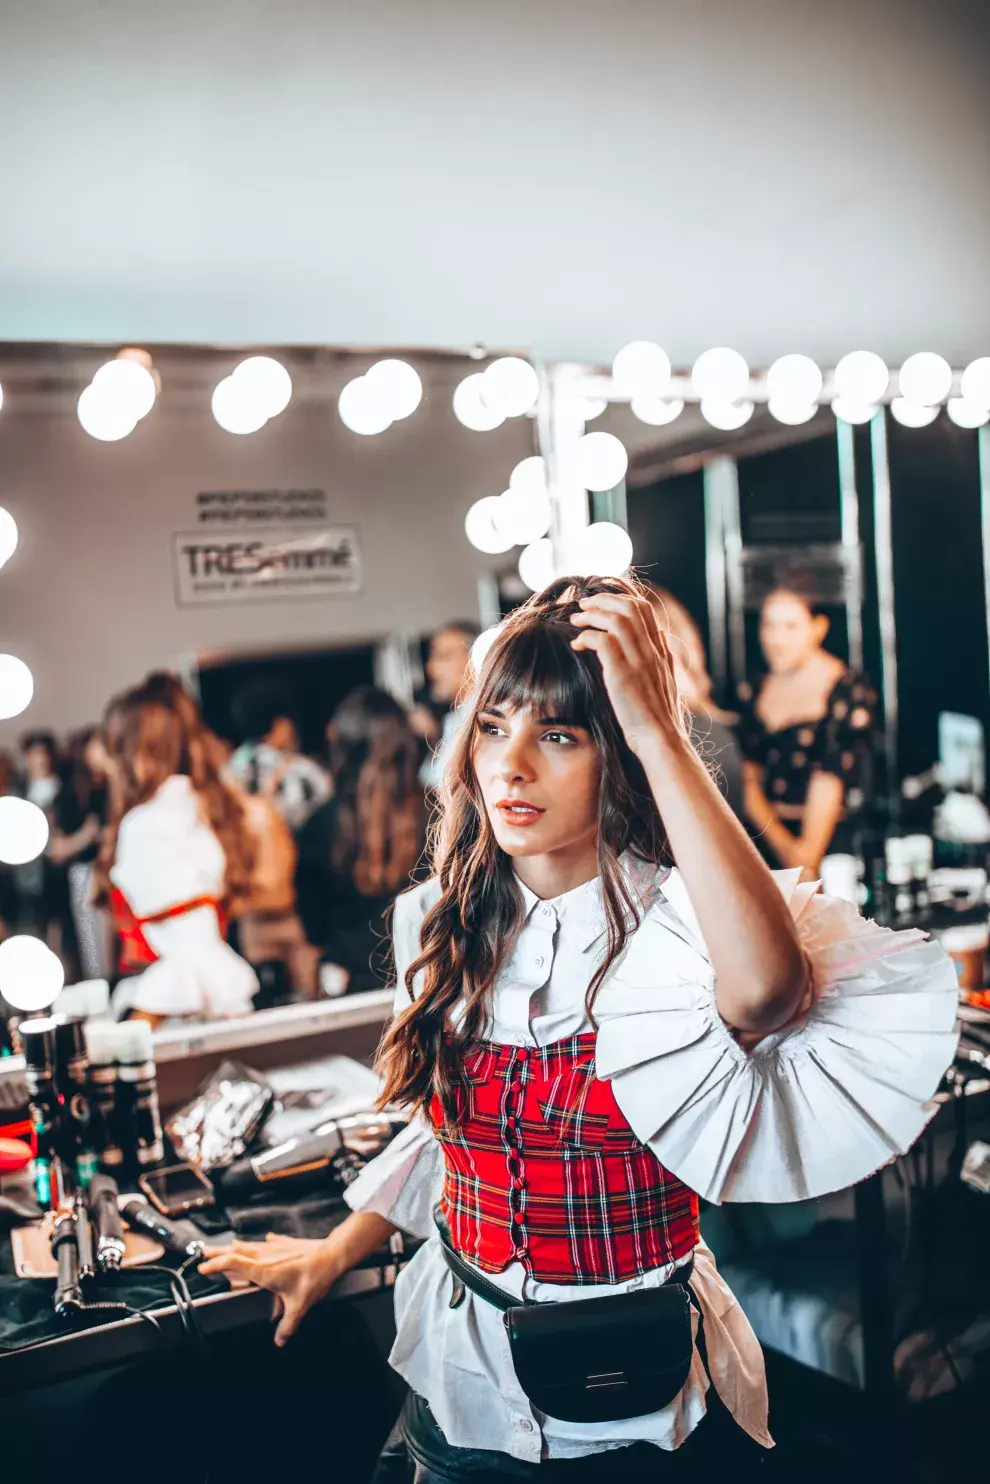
[
  {"x": 525, "y": 1424},
  {"x": 547, "y": 911},
  {"x": 539, "y": 961}
]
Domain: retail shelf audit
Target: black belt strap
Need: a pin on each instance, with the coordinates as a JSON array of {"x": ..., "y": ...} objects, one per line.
[{"x": 465, "y": 1276}]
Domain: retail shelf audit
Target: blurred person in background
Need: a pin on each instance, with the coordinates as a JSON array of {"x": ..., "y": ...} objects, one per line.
[
  {"x": 359, "y": 850},
  {"x": 270, "y": 763},
  {"x": 439, "y": 707},
  {"x": 80, "y": 815},
  {"x": 8, "y": 889},
  {"x": 176, "y": 852},
  {"x": 807, "y": 731},
  {"x": 42, "y": 885},
  {"x": 711, "y": 728}
]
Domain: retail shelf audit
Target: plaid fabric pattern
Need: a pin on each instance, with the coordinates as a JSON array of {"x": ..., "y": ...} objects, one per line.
[{"x": 543, "y": 1169}]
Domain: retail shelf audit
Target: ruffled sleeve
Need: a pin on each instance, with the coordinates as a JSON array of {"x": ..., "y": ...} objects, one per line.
[
  {"x": 815, "y": 1107},
  {"x": 404, "y": 1182}
]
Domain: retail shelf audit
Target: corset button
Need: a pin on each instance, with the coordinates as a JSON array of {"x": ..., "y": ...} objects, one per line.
[
  {"x": 518, "y": 1183},
  {"x": 518, "y": 1218},
  {"x": 520, "y": 1253}
]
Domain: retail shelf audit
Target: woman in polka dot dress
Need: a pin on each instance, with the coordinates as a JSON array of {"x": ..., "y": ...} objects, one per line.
[{"x": 807, "y": 733}]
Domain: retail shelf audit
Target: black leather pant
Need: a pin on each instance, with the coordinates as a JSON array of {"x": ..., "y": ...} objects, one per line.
[{"x": 418, "y": 1453}]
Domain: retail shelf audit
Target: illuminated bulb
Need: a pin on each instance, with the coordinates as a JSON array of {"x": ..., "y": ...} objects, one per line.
[
  {"x": 976, "y": 382},
  {"x": 398, "y": 385},
  {"x": 641, "y": 369},
  {"x": 720, "y": 375},
  {"x": 790, "y": 412},
  {"x": 530, "y": 474},
  {"x": 16, "y": 686},
  {"x": 1, "y": 396},
  {"x": 601, "y": 550},
  {"x": 8, "y": 536},
  {"x": 510, "y": 386},
  {"x": 264, "y": 383},
  {"x": 657, "y": 411},
  {"x": 796, "y": 380},
  {"x": 925, "y": 379},
  {"x": 481, "y": 646},
  {"x": 469, "y": 408},
  {"x": 234, "y": 411},
  {"x": 361, "y": 411},
  {"x": 127, "y": 385},
  {"x": 726, "y": 415},
  {"x": 523, "y": 515},
  {"x": 601, "y": 461},
  {"x": 102, "y": 418},
  {"x": 849, "y": 410},
  {"x": 481, "y": 530},
  {"x": 967, "y": 414},
  {"x": 31, "y": 977},
  {"x": 861, "y": 378},
  {"x": 23, "y": 831},
  {"x": 593, "y": 407},
  {"x": 913, "y": 414},
  {"x": 536, "y": 565}
]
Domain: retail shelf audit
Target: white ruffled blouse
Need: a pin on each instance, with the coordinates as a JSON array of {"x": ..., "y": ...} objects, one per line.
[
  {"x": 168, "y": 854},
  {"x": 815, "y": 1107}
]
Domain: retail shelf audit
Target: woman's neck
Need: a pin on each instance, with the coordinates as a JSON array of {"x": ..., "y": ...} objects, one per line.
[{"x": 562, "y": 870}]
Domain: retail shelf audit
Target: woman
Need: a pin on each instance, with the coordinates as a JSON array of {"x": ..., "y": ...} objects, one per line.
[
  {"x": 806, "y": 734},
  {"x": 80, "y": 814},
  {"x": 174, "y": 854},
  {"x": 590, "y": 1040},
  {"x": 711, "y": 728},
  {"x": 359, "y": 850}
]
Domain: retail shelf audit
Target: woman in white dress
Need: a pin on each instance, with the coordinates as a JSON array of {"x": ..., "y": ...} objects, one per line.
[
  {"x": 589, "y": 1040},
  {"x": 176, "y": 852}
]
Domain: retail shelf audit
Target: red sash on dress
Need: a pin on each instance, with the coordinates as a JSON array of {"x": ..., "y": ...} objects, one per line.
[
  {"x": 543, "y": 1169},
  {"x": 135, "y": 952}
]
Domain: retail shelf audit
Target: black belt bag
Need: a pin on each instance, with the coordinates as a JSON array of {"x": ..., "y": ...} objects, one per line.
[{"x": 591, "y": 1360}]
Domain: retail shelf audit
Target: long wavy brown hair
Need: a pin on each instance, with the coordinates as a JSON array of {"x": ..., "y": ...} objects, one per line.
[
  {"x": 467, "y": 935},
  {"x": 380, "y": 812},
  {"x": 152, "y": 733}
]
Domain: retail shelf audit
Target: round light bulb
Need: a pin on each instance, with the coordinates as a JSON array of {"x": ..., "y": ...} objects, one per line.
[
  {"x": 481, "y": 530},
  {"x": 8, "y": 536},
  {"x": 265, "y": 383},
  {"x": 529, "y": 474},
  {"x": 23, "y": 831},
  {"x": 236, "y": 409},
  {"x": 861, "y": 378},
  {"x": 794, "y": 379},
  {"x": 537, "y": 567},
  {"x": 361, "y": 410},
  {"x": 601, "y": 461},
  {"x": 602, "y": 550},
  {"x": 471, "y": 410},
  {"x": 657, "y": 411},
  {"x": 104, "y": 417},
  {"x": 523, "y": 515},
  {"x": 16, "y": 686},
  {"x": 31, "y": 976},
  {"x": 975, "y": 384},
  {"x": 726, "y": 415},
  {"x": 593, "y": 407},
  {"x": 398, "y": 384},
  {"x": 481, "y": 646},
  {"x": 967, "y": 414},
  {"x": 641, "y": 369},
  {"x": 849, "y": 410},
  {"x": 925, "y": 378},
  {"x": 913, "y": 414},
  {"x": 786, "y": 410},
  {"x": 720, "y": 375},
  {"x": 127, "y": 384},
  {"x": 510, "y": 386}
]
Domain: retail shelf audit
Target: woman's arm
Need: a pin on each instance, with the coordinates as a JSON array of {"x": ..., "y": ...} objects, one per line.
[
  {"x": 761, "y": 975},
  {"x": 62, "y": 848},
  {"x": 823, "y": 810}
]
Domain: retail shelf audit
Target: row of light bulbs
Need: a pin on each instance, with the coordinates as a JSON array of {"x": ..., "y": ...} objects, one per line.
[
  {"x": 31, "y": 975},
  {"x": 794, "y": 387}
]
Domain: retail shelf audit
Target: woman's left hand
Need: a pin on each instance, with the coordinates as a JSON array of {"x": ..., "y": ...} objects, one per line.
[{"x": 636, "y": 664}]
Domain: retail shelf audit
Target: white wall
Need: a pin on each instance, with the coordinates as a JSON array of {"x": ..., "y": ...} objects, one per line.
[{"x": 87, "y": 601}]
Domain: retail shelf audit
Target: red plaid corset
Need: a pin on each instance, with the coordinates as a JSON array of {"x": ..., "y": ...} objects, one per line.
[{"x": 542, "y": 1168}]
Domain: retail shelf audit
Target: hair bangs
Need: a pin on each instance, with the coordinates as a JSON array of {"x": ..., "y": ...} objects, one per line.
[{"x": 535, "y": 667}]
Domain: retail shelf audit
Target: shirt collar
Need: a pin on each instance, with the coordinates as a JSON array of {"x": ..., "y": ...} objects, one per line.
[{"x": 582, "y": 908}]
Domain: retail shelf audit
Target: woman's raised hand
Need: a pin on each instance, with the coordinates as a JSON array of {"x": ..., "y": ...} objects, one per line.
[
  {"x": 636, "y": 664},
  {"x": 298, "y": 1273}
]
